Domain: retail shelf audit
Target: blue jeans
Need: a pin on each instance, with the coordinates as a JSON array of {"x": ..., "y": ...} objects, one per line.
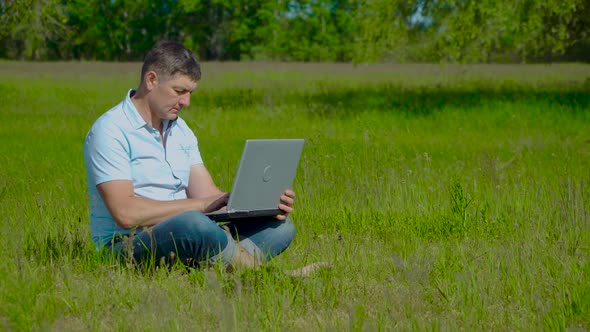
[{"x": 194, "y": 239}]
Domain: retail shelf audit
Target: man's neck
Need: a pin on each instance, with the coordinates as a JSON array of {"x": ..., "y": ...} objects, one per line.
[{"x": 141, "y": 105}]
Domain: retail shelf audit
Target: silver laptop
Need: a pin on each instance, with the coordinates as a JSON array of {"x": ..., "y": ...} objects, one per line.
[{"x": 267, "y": 168}]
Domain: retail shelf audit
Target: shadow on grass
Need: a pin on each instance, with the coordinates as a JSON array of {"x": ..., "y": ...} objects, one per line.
[
  {"x": 339, "y": 102},
  {"x": 330, "y": 100}
]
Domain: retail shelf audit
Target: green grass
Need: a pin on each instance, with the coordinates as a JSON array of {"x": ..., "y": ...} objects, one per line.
[{"x": 447, "y": 197}]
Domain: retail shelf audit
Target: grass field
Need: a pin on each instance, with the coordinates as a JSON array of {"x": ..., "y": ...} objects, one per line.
[{"x": 447, "y": 197}]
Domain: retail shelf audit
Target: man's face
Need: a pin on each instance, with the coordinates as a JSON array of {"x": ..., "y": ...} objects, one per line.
[{"x": 169, "y": 96}]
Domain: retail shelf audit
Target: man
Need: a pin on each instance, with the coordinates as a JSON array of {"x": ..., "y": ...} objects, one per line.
[{"x": 148, "y": 185}]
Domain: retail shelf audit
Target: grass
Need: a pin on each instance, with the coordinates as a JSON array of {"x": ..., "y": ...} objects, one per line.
[{"x": 447, "y": 197}]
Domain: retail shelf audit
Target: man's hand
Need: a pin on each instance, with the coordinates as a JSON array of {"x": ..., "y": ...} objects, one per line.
[
  {"x": 286, "y": 204},
  {"x": 215, "y": 202}
]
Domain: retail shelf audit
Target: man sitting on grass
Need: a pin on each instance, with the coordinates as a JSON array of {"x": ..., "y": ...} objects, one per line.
[{"x": 148, "y": 185}]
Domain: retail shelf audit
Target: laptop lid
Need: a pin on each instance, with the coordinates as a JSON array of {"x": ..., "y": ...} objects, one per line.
[{"x": 267, "y": 168}]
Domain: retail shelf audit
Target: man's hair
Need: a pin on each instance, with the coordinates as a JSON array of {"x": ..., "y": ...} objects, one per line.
[{"x": 168, "y": 58}]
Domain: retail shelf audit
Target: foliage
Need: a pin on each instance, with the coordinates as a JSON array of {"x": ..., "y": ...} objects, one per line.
[
  {"x": 472, "y": 30},
  {"x": 31, "y": 28},
  {"x": 296, "y": 30},
  {"x": 310, "y": 31},
  {"x": 117, "y": 30}
]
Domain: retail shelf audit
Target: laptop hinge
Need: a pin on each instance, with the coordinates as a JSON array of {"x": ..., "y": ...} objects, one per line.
[{"x": 240, "y": 213}]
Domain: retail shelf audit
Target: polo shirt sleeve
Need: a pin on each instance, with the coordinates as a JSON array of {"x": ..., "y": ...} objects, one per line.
[{"x": 107, "y": 154}]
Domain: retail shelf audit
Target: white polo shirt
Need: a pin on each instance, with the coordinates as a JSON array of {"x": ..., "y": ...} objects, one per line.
[{"x": 122, "y": 146}]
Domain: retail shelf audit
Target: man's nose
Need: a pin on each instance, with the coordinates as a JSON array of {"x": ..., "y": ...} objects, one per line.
[{"x": 185, "y": 100}]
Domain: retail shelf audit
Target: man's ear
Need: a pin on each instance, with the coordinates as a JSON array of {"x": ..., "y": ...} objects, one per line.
[{"x": 151, "y": 80}]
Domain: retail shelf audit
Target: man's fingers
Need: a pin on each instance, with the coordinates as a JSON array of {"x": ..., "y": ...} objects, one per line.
[
  {"x": 216, "y": 202},
  {"x": 287, "y": 200},
  {"x": 222, "y": 199},
  {"x": 285, "y": 208},
  {"x": 286, "y": 204}
]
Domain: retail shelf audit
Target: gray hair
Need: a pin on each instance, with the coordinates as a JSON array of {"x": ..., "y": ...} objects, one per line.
[{"x": 168, "y": 58}]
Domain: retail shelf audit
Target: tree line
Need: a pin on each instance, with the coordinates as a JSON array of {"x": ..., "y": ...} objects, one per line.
[{"x": 299, "y": 30}]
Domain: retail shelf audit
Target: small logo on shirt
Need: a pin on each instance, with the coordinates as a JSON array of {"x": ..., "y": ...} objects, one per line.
[{"x": 187, "y": 148}]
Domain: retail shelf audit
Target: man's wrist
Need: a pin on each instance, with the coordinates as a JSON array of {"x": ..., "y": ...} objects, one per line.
[{"x": 198, "y": 204}]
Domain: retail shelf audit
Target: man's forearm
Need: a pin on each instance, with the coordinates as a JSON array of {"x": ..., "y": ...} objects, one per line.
[
  {"x": 139, "y": 212},
  {"x": 130, "y": 211}
]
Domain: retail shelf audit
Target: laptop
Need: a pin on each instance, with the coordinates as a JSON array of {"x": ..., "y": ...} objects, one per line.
[{"x": 267, "y": 168}]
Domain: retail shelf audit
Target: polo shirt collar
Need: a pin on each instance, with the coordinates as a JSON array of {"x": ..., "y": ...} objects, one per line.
[
  {"x": 135, "y": 118},
  {"x": 167, "y": 124},
  {"x": 131, "y": 112}
]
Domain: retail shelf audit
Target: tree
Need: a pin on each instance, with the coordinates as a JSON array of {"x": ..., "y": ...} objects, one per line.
[
  {"x": 119, "y": 30},
  {"x": 300, "y": 30},
  {"x": 472, "y": 30},
  {"x": 29, "y": 27},
  {"x": 221, "y": 29},
  {"x": 308, "y": 30}
]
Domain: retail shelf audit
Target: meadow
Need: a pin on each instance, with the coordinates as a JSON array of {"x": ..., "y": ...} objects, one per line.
[{"x": 446, "y": 197}]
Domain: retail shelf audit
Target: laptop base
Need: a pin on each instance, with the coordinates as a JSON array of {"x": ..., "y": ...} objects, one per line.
[{"x": 241, "y": 215}]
